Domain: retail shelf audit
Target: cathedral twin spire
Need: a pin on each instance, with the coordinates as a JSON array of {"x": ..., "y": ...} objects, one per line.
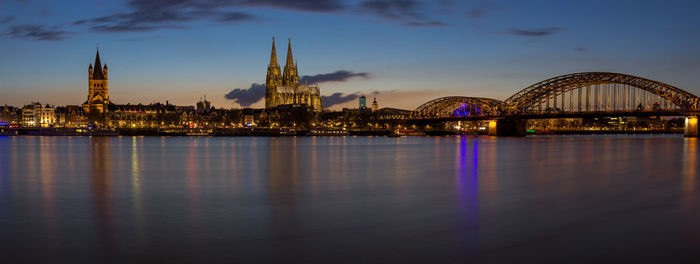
[
  {"x": 290, "y": 75},
  {"x": 283, "y": 88}
]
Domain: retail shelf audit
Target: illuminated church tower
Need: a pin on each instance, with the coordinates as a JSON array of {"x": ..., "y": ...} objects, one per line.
[{"x": 98, "y": 88}]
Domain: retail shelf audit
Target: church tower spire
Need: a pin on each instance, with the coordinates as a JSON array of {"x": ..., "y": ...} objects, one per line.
[
  {"x": 290, "y": 77},
  {"x": 97, "y": 72},
  {"x": 290, "y": 57}
]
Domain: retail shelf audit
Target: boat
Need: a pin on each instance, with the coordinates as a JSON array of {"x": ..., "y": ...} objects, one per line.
[
  {"x": 198, "y": 133},
  {"x": 287, "y": 132},
  {"x": 396, "y": 133},
  {"x": 328, "y": 132},
  {"x": 102, "y": 132}
]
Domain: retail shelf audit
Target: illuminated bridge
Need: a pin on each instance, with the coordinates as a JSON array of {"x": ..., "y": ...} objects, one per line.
[{"x": 587, "y": 94}]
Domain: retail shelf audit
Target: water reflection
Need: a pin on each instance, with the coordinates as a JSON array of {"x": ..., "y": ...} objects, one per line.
[
  {"x": 690, "y": 169},
  {"x": 47, "y": 164},
  {"x": 136, "y": 195},
  {"x": 101, "y": 177},
  {"x": 467, "y": 183},
  {"x": 316, "y": 199},
  {"x": 193, "y": 170}
]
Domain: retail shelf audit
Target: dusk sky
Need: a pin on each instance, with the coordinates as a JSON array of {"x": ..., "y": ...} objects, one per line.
[{"x": 404, "y": 52}]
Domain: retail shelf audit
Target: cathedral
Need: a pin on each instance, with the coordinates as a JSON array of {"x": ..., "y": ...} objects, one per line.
[
  {"x": 283, "y": 88},
  {"x": 98, "y": 89}
]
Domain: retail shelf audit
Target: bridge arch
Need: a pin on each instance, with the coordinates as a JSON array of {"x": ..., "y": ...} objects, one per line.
[
  {"x": 598, "y": 91},
  {"x": 457, "y": 106}
]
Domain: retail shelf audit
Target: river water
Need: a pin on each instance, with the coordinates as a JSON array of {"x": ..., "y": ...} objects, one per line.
[{"x": 349, "y": 199}]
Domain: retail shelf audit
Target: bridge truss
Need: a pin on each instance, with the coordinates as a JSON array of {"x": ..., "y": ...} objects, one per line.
[
  {"x": 586, "y": 92},
  {"x": 457, "y": 106},
  {"x": 598, "y": 91}
]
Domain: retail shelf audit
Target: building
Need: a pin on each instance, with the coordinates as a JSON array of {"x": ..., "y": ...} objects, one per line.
[
  {"x": 203, "y": 106},
  {"x": 154, "y": 115},
  {"x": 71, "y": 116},
  {"x": 249, "y": 119},
  {"x": 10, "y": 115},
  {"x": 363, "y": 102},
  {"x": 36, "y": 115},
  {"x": 98, "y": 88},
  {"x": 375, "y": 106},
  {"x": 283, "y": 88}
]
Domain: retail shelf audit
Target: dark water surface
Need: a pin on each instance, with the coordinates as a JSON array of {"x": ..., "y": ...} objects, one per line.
[{"x": 349, "y": 199}]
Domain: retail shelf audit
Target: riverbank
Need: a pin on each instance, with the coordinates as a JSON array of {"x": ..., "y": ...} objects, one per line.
[
  {"x": 279, "y": 132},
  {"x": 184, "y": 132},
  {"x": 607, "y": 132}
]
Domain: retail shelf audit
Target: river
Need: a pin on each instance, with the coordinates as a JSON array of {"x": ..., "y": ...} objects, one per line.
[{"x": 349, "y": 199}]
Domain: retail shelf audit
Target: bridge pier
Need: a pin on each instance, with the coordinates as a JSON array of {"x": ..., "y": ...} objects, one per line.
[
  {"x": 507, "y": 127},
  {"x": 691, "y": 127}
]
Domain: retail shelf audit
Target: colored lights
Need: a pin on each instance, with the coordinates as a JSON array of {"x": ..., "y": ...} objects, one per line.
[{"x": 467, "y": 110}]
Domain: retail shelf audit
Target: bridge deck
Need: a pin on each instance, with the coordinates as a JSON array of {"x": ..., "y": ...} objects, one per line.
[{"x": 590, "y": 114}]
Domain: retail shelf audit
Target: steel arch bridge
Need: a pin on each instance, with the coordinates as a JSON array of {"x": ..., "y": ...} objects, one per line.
[
  {"x": 585, "y": 92},
  {"x": 598, "y": 91},
  {"x": 457, "y": 106}
]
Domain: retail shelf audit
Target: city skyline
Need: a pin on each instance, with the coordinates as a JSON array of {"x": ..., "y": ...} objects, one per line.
[{"x": 197, "y": 48}]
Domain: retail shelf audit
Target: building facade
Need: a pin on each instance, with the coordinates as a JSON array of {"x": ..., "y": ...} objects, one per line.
[
  {"x": 283, "y": 88},
  {"x": 203, "y": 106},
  {"x": 98, "y": 88},
  {"x": 37, "y": 115},
  {"x": 10, "y": 115}
]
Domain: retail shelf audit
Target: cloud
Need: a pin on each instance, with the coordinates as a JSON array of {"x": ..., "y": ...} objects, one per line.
[
  {"x": 300, "y": 5},
  {"x": 533, "y": 32},
  {"x": 166, "y": 18},
  {"x": 7, "y": 19},
  {"x": 149, "y": 15},
  {"x": 35, "y": 32},
  {"x": 406, "y": 11},
  {"x": 247, "y": 97},
  {"x": 581, "y": 49},
  {"x": 234, "y": 17},
  {"x": 482, "y": 10},
  {"x": 338, "y": 76},
  {"x": 425, "y": 24},
  {"x": 337, "y": 98}
]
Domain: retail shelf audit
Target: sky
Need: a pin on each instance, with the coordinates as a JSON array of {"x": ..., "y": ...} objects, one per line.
[{"x": 403, "y": 52}]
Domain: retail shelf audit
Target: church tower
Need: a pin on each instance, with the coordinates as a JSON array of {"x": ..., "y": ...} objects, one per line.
[
  {"x": 291, "y": 75},
  {"x": 273, "y": 78},
  {"x": 98, "y": 88}
]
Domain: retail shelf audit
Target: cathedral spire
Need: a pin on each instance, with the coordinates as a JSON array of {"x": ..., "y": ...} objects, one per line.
[
  {"x": 290, "y": 76},
  {"x": 273, "y": 55},
  {"x": 290, "y": 58}
]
